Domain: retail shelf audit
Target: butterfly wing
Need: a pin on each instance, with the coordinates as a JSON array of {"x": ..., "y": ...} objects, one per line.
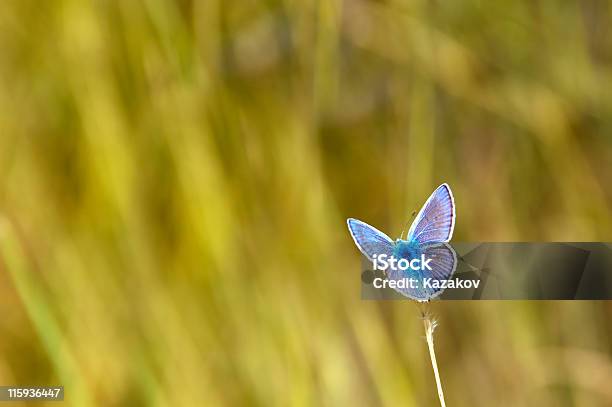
[
  {"x": 436, "y": 220},
  {"x": 443, "y": 264},
  {"x": 369, "y": 240}
]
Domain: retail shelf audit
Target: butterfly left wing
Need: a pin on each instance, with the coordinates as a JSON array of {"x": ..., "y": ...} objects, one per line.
[
  {"x": 443, "y": 264},
  {"x": 369, "y": 240},
  {"x": 436, "y": 220}
]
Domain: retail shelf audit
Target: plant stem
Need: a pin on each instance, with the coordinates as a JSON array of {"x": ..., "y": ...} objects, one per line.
[{"x": 430, "y": 325}]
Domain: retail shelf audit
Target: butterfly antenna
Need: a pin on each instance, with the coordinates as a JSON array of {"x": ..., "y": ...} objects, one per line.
[{"x": 406, "y": 225}]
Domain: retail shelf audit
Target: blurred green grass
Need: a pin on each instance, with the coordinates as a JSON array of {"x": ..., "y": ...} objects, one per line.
[{"x": 175, "y": 179}]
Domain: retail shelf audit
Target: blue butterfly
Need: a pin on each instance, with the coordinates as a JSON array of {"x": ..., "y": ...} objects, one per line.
[{"x": 428, "y": 236}]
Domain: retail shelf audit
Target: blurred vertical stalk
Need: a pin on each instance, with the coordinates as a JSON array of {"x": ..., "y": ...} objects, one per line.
[
  {"x": 329, "y": 15},
  {"x": 39, "y": 310}
]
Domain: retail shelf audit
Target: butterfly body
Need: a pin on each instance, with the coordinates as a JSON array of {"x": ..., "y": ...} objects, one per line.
[
  {"x": 427, "y": 238},
  {"x": 406, "y": 249}
]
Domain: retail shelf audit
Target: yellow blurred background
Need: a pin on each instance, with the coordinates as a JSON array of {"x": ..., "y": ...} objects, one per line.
[{"x": 175, "y": 179}]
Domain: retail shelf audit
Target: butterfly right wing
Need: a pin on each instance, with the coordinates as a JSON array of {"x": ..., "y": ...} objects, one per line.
[
  {"x": 436, "y": 220},
  {"x": 369, "y": 240}
]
